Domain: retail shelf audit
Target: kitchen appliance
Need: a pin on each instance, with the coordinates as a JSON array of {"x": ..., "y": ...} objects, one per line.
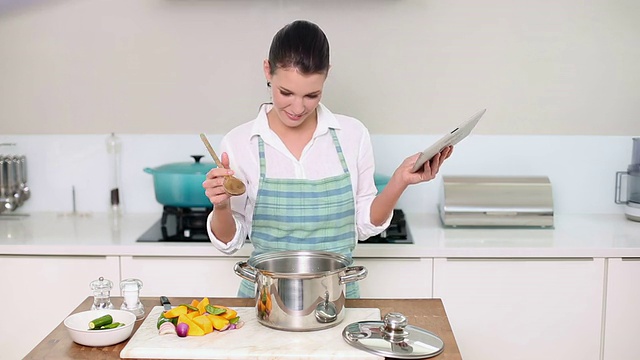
[
  {"x": 496, "y": 201},
  {"x": 179, "y": 224},
  {"x": 300, "y": 290},
  {"x": 252, "y": 341},
  {"x": 396, "y": 233},
  {"x": 632, "y": 202},
  {"x": 186, "y": 224}
]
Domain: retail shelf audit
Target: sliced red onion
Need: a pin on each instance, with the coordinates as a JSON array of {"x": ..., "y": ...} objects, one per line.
[{"x": 167, "y": 329}]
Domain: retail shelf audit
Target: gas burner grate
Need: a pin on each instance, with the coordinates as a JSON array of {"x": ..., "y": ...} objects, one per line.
[
  {"x": 396, "y": 232},
  {"x": 179, "y": 224}
]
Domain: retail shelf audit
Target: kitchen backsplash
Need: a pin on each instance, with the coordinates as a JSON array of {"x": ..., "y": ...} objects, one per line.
[{"x": 581, "y": 168}]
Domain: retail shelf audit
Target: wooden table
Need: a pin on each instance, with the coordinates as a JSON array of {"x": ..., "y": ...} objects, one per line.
[{"x": 428, "y": 314}]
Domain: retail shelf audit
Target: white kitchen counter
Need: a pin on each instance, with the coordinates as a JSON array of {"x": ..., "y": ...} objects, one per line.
[
  {"x": 76, "y": 250},
  {"x": 592, "y": 235}
]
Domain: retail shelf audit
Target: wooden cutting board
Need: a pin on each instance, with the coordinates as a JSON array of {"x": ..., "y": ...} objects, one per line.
[{"x": 252, "y": 341}]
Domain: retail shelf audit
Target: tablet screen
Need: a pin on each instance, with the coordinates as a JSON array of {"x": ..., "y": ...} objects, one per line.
[{"x": 453, "y": 137}]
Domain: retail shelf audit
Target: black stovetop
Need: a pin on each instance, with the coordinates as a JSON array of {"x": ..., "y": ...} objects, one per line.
[
  {"x": 396, "y": 233},
  {"x": 179, "y": 225},
  {"x": 189, "y": 225}
]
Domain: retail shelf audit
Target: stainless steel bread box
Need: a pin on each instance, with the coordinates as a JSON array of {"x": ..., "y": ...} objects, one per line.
[{"x": 496, "y": 201}]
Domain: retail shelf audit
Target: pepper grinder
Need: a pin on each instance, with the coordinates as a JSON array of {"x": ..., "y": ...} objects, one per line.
[
  {"x": 130, "y": 289},
  {"x": 101, "y": 293}
]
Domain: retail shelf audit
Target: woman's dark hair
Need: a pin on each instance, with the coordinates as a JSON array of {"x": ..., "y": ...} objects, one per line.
[{"x": 301, "y": 45}]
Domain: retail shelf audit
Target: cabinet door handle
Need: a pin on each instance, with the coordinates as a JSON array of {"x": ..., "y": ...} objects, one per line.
[{"x": 522, "y": 259}]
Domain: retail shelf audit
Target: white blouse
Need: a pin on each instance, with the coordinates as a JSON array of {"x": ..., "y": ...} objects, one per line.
[{"x": 319, "y": 160}]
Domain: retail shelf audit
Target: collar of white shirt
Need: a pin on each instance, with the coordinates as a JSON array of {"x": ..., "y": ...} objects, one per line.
[{"x": 326, "y": 120}]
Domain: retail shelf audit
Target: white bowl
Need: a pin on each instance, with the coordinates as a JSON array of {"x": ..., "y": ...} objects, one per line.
[{"x": 78, "y": 326}]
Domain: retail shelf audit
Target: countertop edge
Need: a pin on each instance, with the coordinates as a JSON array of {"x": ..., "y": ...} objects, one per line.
[{"x": 574, "y": 236}]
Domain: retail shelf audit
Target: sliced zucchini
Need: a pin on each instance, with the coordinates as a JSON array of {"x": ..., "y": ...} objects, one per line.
[{"x": 100, "y": 322}]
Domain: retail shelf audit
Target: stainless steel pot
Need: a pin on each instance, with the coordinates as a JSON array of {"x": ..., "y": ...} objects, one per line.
[{"x": 300, "y": 290}]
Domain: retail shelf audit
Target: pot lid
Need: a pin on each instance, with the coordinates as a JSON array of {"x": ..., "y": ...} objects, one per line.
[
  {"x": 393, "y": 338},
  {"x": 194, "y": 167}
]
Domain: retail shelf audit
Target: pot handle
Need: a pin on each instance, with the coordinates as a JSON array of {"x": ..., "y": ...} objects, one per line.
[
  {"x": 353, "y": 273},
  {"x": 245, "y": 271},
  {"x": 148, "y": 170}
]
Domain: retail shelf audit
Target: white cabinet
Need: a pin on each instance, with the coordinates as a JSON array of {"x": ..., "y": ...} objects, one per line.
[
  {"x": 396, "y": 278},
  {"x": 38, "y": 292},
  {"x": 214, "y": 276},
  {"x": 622, "y": 315},
  {"x": 504, "y": 309},
  {"x": 183, "y": 276}
]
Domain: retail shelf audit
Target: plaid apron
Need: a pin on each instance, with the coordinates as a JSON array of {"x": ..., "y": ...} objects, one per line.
[{"x": 299, "y": 214}]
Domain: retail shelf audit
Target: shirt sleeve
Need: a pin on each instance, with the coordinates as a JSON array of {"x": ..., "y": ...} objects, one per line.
[
  {"x": 237, "y": 208},
  {"x": 232, "y": 246},
  {"x": 365, "y": 228},
  {"x": 365, "y": 190}
]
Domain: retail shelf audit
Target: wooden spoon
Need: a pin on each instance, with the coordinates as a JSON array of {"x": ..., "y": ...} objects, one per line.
[{"x": 232, "y": 185}]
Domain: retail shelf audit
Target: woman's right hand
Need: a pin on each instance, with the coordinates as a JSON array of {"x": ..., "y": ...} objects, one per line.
[{"x": 212, "y": 185}]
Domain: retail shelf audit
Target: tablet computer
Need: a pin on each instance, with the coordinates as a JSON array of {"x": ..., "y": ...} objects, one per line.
[{"x": 453, "y": 137}]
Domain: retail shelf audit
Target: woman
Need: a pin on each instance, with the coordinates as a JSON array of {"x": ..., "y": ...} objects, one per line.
[{"x": 309, "y": 172}]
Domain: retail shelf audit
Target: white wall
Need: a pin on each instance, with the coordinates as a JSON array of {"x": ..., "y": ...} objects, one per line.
[
  {"x": 581, "y": 168},
  {"x": 559, "y": 79},
  {"x": 560, "y": 67}
]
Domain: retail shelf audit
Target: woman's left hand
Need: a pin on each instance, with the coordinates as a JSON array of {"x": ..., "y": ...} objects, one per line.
[
  {"x": 429, "y": 169},
  {"x": 385, "y": 201}
]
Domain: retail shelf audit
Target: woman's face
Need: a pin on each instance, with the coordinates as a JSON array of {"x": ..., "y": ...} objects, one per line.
[{"x": 295, "y": 95}]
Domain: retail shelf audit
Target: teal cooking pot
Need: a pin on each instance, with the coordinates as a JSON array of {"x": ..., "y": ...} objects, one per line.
[
  {"x": 180, "y": 184},
  {"x": 380, "y": 181}
]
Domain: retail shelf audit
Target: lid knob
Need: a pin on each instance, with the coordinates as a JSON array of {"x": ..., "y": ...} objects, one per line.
[
  {"x": 393, "y": 328},
  {"x": 395, "y": 321},
  {"x": 197, "y": 158}
]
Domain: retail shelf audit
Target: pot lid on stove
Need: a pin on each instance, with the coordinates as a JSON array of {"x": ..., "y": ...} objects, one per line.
[
  {"x": 393, "y": 338},
  {"x": 189, "y": 168}
]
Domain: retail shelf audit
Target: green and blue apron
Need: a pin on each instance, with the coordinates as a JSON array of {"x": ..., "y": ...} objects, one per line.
[{"x": 301, "y": 214}]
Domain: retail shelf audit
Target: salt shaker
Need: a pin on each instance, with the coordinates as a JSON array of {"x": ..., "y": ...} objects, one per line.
[
  {"x": 101, "y": 293},
  {"x": 130, "y": 289}
]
